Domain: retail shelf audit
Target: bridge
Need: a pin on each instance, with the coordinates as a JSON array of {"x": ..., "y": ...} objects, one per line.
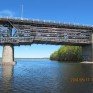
[{"x": 16, "y": 32}]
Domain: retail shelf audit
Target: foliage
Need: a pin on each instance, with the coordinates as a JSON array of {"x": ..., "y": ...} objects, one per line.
[
  {"x": 54, "y": 56},
  {"x": 67, "y": 53}
]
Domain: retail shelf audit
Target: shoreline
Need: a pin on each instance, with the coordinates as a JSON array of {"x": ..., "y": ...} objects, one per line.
[{"x": 86, "y": 62}]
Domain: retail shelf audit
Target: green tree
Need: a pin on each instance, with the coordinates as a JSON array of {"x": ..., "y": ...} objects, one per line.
[
  {"x": 67, "y": 53},
  {"x": 54, "y": 56}
]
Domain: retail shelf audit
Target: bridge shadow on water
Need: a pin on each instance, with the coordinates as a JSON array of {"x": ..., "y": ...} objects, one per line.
[{"x": 45, "y": 76}]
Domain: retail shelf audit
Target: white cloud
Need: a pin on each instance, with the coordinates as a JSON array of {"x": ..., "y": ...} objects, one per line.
[{"x": 6, "y": 13}]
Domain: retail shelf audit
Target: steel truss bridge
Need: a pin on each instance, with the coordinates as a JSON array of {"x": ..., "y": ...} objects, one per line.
[
  {"x": 25, "y": 32},
  {"x": 16, "y": 32}
]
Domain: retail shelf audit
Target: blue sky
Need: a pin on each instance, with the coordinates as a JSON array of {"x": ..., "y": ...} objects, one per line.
[{"x": 69, "y": 11}]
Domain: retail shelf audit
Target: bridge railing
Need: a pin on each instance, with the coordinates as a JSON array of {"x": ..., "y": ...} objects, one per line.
[{"x": 51, "y": 22}]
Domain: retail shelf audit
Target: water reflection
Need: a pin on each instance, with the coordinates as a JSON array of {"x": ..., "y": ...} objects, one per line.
[{"x": 7, "y": 73}]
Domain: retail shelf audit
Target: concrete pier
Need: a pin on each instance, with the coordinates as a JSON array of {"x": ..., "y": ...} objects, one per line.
[
  {"x": 87, "y": 51},
  {"x": 8, "y": 54}
]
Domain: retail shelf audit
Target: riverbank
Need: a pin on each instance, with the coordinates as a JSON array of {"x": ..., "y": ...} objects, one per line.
[{"x": 86, "y": 62}]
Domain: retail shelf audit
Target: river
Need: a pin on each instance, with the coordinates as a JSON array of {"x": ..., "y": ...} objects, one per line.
[{"x": 45, "y": 76}]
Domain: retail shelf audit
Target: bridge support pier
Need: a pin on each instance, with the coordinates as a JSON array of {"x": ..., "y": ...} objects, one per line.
[
  {"x": 8, "y": 54},
  {"x": 87, "y": 51}
]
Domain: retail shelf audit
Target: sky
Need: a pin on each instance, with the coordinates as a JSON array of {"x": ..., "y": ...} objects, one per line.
[{"x": 68, "y": 11}]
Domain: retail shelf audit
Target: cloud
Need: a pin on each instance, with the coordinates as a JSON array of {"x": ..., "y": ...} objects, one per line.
[{"x": 6, "y": 13}]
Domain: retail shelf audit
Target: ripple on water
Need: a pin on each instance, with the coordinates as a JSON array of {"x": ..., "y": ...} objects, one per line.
[{"x": 44, "y": 76}]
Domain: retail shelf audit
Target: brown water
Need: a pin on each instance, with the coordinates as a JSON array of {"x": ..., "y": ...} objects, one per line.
[{"x": 45, "y": 76}]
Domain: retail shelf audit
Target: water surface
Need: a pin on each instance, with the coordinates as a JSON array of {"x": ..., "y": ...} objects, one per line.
[{"x": 45, "y": 76}]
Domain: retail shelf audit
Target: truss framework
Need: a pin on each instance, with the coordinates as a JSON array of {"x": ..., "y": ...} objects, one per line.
[{"x": 22, "y": 32}]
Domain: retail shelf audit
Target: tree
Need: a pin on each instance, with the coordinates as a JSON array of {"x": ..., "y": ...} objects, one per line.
[
  {"x": 67, "y": 53},
  {"x": 54, "y": 56}
]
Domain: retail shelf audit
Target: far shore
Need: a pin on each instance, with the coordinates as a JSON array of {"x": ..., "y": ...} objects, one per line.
[
  {"x": 86, "y": 62},
  {"x": 29, "y": 58}
]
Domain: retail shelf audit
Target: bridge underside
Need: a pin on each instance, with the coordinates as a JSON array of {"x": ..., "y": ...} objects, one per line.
[{"x": 8, "y": 54}]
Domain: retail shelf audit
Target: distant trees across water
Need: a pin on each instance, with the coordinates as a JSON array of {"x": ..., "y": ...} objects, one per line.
[{"x": 67, "y": 53}]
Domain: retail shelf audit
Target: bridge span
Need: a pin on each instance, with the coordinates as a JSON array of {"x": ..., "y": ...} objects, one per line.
[{"x": 16, "y": 32}]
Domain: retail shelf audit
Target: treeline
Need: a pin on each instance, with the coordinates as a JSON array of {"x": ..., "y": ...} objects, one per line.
[{"x": 67, "y": 53}]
